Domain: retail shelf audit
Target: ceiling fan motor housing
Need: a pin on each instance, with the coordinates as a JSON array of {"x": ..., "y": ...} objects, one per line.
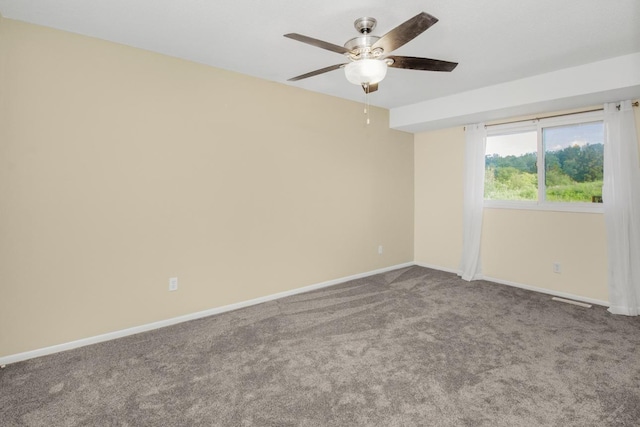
[{"x": 360, "y": 47}]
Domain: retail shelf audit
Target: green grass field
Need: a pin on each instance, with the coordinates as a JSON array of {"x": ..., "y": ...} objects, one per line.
[
  {"x": 576, "y": 192},
  {"x": 514, "y": 184}
]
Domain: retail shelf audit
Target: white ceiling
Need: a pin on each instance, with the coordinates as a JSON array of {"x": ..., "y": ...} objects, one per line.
[{"x": 494, "y": 41}]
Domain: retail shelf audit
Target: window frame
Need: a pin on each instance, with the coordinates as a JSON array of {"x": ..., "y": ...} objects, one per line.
[{"x": 537, "y": 125}]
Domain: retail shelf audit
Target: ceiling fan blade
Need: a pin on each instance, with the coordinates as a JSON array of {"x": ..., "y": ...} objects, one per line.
[
  {"x": 425, "y": 64},
  {"x": 368, "y": 88},
  {"x": 317, "y": 43},
  {"x": 405, "y": 32},
  {"x": 316, "y": 72}
]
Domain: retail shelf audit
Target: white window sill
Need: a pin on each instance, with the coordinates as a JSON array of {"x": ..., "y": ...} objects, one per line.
[{"x": 596, "y": 208}]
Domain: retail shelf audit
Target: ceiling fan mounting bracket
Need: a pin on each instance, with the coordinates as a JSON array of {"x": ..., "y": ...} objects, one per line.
[{"x": 365, "y": 24}]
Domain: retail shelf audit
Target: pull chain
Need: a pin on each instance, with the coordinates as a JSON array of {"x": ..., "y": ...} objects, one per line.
[{"x": 366, "y": 103}]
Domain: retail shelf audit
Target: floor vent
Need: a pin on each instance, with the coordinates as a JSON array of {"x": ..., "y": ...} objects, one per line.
[{"x": 568, "y": 301}]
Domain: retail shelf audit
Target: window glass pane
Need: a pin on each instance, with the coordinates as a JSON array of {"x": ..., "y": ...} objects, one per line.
[
  {"x": 573, "y": 162},
  {"x": 511, "y": 167}
]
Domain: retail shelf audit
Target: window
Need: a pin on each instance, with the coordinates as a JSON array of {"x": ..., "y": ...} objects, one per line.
[{"x": 554, "y": 163}]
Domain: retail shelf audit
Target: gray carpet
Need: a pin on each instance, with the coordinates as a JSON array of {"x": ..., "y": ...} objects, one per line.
[{"x": 412, "y": 347}]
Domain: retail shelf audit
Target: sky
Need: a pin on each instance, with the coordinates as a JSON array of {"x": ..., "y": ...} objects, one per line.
[
  {"x": 514, "y": 144},
  {"x": 555, "y": 138}
]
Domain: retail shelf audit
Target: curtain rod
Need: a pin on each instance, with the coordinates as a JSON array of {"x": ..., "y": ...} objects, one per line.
[{"x": 635, "y": 104}]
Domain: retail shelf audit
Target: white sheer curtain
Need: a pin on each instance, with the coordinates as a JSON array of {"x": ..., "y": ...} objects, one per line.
[
  {"x": 621, "y": 199},
  {"x": 475, "y": 142}
]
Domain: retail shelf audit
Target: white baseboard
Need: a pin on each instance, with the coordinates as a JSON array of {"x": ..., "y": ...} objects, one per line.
[
  {"x": 5, "y": 360},
  {"x": 527, "y": 287},
  {"x": 549, "y": 292},
  {"x": 436, "y": 267}
]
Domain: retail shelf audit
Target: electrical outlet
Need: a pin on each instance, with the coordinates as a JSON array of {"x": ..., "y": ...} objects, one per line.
[
  {"x": 380, "y": 250},
  {"x": 173, "y": 284},
  {"x": 557, "y": 268}
]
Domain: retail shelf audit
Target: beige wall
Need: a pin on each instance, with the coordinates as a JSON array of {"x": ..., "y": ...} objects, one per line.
[
  {"x": 521, "y": 246},
  {"x": 517, "y": 246},
  {"x": 438, "y": 197},
  {"x": 121, "y": 168}
]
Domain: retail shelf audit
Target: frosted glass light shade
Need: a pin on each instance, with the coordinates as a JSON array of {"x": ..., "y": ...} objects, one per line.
[{"x": 366, "y": 71}]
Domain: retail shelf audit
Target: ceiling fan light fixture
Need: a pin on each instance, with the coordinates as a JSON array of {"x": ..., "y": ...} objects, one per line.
[{"x": 365, "y": 71}]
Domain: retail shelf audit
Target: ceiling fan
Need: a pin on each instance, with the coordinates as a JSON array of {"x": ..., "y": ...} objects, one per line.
[{"x": 369, "y": 55}]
